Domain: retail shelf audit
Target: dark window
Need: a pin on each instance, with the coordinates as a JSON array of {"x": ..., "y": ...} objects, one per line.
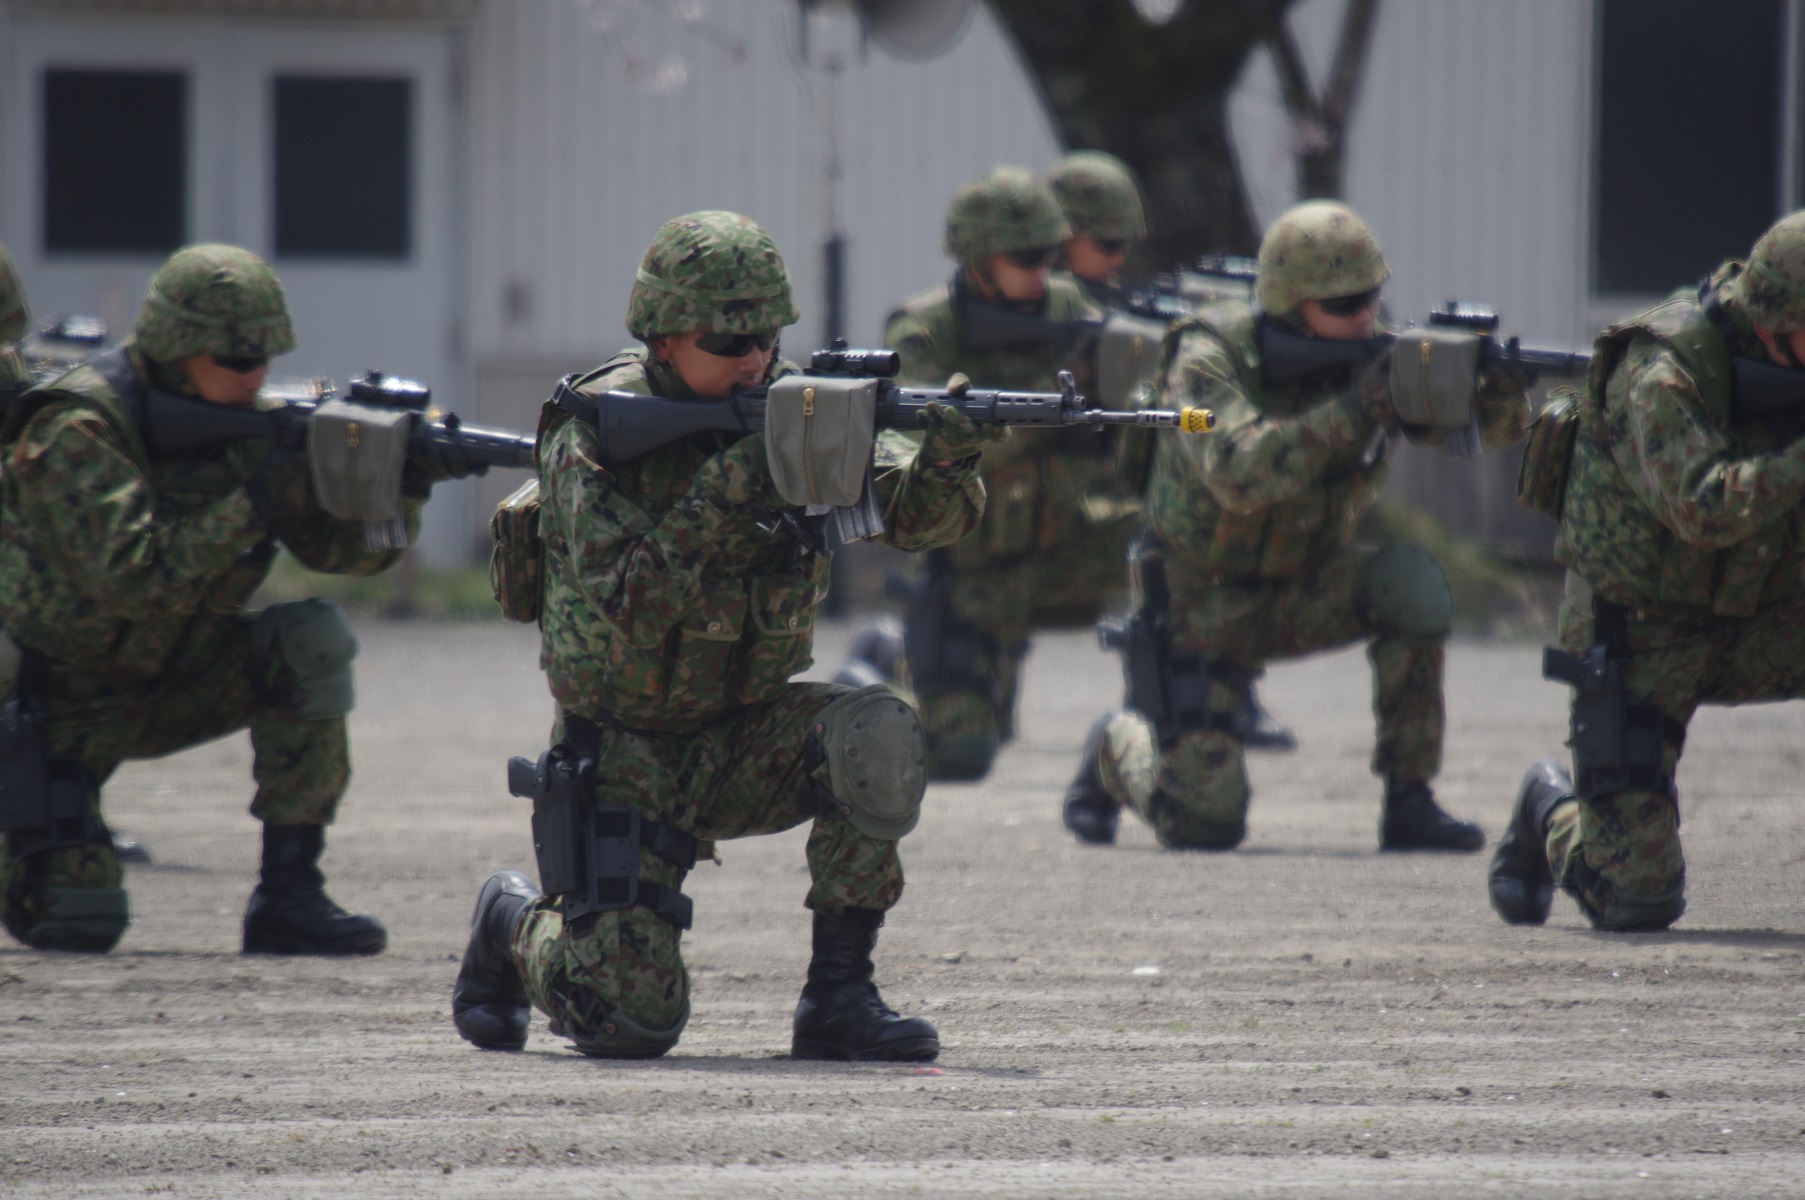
[
  {"x": 344, "y": 167},
  {"x": 1688, "y": 137},
  {"x": 115, "y": 160}
]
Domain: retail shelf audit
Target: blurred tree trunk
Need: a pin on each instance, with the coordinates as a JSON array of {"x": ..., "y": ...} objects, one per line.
[
  {"x": 1156, "y": 96},
  {"x": 1319, "y": 123}
]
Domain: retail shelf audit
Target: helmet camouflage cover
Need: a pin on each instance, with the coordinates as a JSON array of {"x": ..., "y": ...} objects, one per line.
[
  {"x": 214, "y": 299},
  {"x": 710, "y": 272},
  {"x": 12, "y": 300},
  {"x": 1099, "y": 196},
  {"x": 1005, "y": 210},
  {"x": 1772, "y": 286},
  {"x": 1315, "y": 251}
]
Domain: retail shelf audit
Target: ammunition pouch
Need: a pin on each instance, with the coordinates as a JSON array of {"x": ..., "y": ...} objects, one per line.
[
  {"x": 588, "y": 853},
  {"x": 46, "y": 800},
  {"x": 517, "y": 562},
  {"x": 1435, "y": 382},
  {"x": 1618, "y": 740},
  {"x": 357, "y": 453},
  {"x": 943, "y": 649},
  {"x": 1548, "y": 455},
  {"x": 819, "y": 434}
]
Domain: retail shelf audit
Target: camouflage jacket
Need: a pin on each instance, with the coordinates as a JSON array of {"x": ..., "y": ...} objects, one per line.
[
  {"x": 1038, "y": 481},
  {"x": 15, "y": 376},
  {"x": 110, "y": 562},
  {"x": 665, "y": 611},
  {"x": 1668, "y": 506}
]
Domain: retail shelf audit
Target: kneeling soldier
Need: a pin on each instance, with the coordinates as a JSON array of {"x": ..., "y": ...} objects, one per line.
[
  {"x": 1252, "y": 526},
  {"x": 123, "y": 579},
  {"x": 679, "y": 597}
]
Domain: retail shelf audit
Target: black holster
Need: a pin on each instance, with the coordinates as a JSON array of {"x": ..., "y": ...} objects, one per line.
[
  {"x": 1171, "y": 690},
  {"x": 46, "y": 800},
  {"x": 588, "y": 853},
  {"x": 942, "y": 648},
  {"x": 1617, "y": 739}
]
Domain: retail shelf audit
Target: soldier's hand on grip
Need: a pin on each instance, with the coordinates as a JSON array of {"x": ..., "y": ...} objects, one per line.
[
  {"x": 951, "y": 435},
  {"x": 434, "y": 462}
]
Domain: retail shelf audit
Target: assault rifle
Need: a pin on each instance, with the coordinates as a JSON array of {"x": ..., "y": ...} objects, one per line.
[
  {"x": 1287, "y": 357},
  {"x": 821, "y": 424}
]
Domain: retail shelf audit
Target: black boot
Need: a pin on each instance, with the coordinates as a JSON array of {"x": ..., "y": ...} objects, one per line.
[
  {"x": 290, "y": 912},
  {"x": 1520, "y": 883},
  {"x": 128, "y": 849},
  {"x": 1414, "y": 821},
  {"x": 1091, "y": 813},
  {"x": 841, "y": 1015},
  {"x": 489, "y": 1004}
]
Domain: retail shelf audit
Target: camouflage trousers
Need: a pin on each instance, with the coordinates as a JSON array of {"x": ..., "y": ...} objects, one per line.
[
  {"x": 1619, "y": 856},
  {"x": 616, "y": 984},
  {"x": 220, "y": 683},
  {"x": 1194, "y": 791},
  {"x": 1005, "y": 601}
]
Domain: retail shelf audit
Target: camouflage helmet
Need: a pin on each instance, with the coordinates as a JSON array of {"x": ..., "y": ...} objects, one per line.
[
  {"x": 713, "y": 272},
  {"x": 1099, "y": 196},
  {"x": 1005, "y": 210},
  {"x": 214, "y": 299},
  {"x": 1772, "y": 286},
  {"x": 1316, "y": 251},
  {"x": 13, "y": 316}
]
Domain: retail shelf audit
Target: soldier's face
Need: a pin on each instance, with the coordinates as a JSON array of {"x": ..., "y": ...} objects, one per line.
[
  {"x": 1015, "y": 283},
  {"x": 1779, "y": 343},
  {"x": 224, "y": 385},
  {"x": 710, "y": 374},
  {"x": 1095, "y": 261},
  {"x": 1336, "y": 327}
]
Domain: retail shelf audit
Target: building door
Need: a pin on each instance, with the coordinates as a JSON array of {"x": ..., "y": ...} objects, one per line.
[{"x": 329, "y": 149}]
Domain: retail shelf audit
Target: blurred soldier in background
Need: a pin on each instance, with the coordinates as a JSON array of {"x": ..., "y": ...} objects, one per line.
[
  {"x": 1049, "y": 550},
  {"x": 14, "y": 318},
  {"x": 1682, "y": 533},
  {"x": 679, "y": 598},
  {"x": 122, "y": 584},
  {"x": 1250, "y": 527}
]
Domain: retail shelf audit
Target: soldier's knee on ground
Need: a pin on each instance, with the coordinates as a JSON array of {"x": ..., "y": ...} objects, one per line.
[
  {"x": 309, "y": 645},
  {"x": 876, "y": 760},
  {"x": 1193, "y": 793},
  {"x": 614, "y": 1034},
  {"x": 1616, "y": 908},
  {"x": 1407, "y": 592},
  {"x": 66, "y": 899}
]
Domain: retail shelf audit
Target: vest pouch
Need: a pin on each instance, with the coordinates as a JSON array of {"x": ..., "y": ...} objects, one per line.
[
  {"x": 707, "y": 646},
  {"x": 819, "y": 433},
  {"x": 1435, "y": 382},
  {"x": 780, "y": 641},
  {"x": 517, "y": 560},
  {"x": 1548, "y": 455}
]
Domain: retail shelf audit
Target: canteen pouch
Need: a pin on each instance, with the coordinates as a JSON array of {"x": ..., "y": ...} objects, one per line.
[
  {"x": 1435, "y": 382},
  {"x": 819, "y": 434},
  {"x": 357, "y": 452},
  {"x": 1548, "y": 455},
  {"x": 517, "y": 560}
]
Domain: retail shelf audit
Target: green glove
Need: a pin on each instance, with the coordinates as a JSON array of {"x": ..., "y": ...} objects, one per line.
[{"x": 951, "y": 435}]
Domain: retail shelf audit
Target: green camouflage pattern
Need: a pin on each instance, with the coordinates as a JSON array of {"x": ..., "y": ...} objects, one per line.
[
  {"x": 1195, "y": 792},
  {"x": 1668, "y": 508},
  {"x": 1099, "y": 196},
  {"x": 214, "y": 299},
  {"x": 1315, "y": 251},
  {"x": 1049, "y": 550},
  {"x": 741, "y": 776},
  {"x": 670, "y": 606},
  {"x": 14, "y": 315},
  {"x": 1772, "y": 289},
  {"x": 1008, "y": 209},
  {"x": 716, "y": 272},
  {"x": 131, "y": 576}
]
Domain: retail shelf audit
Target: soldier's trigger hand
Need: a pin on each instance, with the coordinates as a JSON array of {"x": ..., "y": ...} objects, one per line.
[
  {"x": 435, "y": 462},
  {"x": 741, "y": 474},
  {"x": 283, "y": 490},
  {"x": 1373, "y": 393},
  {"x": 952, "y": 436}
]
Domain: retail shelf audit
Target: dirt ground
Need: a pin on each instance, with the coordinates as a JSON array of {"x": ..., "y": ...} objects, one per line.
[{"x": 1302, "y": 1017}]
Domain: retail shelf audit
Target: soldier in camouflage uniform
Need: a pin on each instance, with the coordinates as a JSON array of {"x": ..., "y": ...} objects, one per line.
[
  {"x": 1681, "y": 530},
  {"x": 14, "y": 377},
  {"x": 1049, "y": 550},
  {"x": 1253, "y": 527},
  {"x": 1102, "y": 205},
  {"x": 122, "y": 583},
  {"x": 679, "y": 598}
]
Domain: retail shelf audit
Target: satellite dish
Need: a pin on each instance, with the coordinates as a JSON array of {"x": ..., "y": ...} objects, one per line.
[{"x": 916, "y": 30}]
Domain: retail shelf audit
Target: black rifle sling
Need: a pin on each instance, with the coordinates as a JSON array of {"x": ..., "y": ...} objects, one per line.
[{"x": 116, "y": 369}]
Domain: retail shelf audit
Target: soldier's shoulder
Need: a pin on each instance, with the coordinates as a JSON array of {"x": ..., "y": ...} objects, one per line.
[
  {"x": 1065, "y": 299},
  {"x": 923, "y": 306},
  {"x": 625, "y": 371}
]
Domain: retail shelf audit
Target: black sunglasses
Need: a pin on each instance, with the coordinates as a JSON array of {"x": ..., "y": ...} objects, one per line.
[
  {"x": 1033, "y": 259},
  {"x": 1110, "y": 245},
  {"x": 242, "y": 365},
  {"x": 735, "y": 345},
  {"x": 1350, "y": 306}
]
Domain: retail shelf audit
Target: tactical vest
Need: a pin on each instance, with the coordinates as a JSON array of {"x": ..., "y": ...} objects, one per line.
[
  {"x": 1207, "y": 545},
  {"x": 1612, "y": 538},
  {"x": 750, "y": 630},
  {"x": 37, "y": 613}
]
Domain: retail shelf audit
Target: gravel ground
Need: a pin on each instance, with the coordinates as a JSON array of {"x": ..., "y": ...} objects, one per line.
[{"x": 1300, "y": 1017}]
